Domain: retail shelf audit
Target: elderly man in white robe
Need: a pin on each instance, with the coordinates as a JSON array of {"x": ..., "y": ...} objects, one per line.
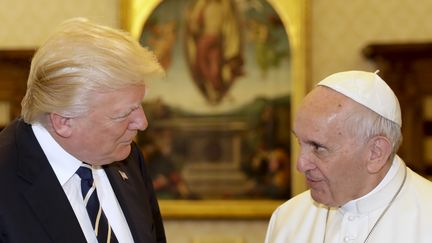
[{"x": 349, "y": 130}]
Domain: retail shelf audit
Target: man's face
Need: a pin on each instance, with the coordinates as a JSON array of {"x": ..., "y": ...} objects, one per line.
[
  {"x": 106, "y": 133},
  {"x": 332, "y": 159}
]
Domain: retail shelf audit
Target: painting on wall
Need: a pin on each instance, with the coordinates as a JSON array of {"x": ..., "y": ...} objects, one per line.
[{"x": 219, "y": 121}]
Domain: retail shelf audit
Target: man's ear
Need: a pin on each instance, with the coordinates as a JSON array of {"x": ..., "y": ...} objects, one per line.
[
  {"x": 61, "y": 125},
  {"x": 380, "y": 150}
]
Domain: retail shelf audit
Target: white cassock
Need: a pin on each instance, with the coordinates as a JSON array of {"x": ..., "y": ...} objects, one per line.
[{"x": 407, "y": 220}]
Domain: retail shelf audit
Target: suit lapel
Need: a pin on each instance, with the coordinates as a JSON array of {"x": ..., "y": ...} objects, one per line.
[
  {"x": 44, "y": 193},
  {"x": 51, "y": 206},
  {"x": 131, "y": 194}
]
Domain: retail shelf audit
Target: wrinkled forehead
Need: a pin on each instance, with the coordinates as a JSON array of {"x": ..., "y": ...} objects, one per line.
[
  {"x": 323, "y": 99},
  {"x": 327, "y": 106},
  {"x": 323, "y": 112}
]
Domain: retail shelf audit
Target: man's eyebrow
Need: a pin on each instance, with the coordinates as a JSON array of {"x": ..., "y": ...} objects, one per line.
[
  {"x": 127, "y": 113},
  {"x": 310, "y": 142},
  {"x": 315, "y": 143}
]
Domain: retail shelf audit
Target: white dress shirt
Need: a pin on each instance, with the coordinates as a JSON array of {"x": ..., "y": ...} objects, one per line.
[{"x": 65, "y": 165}]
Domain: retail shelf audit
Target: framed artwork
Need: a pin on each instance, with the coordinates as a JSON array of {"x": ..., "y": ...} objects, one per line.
[{"x": 218, "y": 142}]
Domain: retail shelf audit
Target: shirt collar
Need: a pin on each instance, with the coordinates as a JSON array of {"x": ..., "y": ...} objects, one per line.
[
  {"x": 381, "y": 194},
  {"x": 64, "y": 164}
]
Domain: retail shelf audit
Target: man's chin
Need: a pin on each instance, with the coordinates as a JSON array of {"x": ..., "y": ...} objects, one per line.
[
  {"x": 123, "y": 152},
  {"x": 318, "y": 197}
]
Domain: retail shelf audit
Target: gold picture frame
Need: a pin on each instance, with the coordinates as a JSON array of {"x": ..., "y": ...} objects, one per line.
[{"x": 293, "y": 14}]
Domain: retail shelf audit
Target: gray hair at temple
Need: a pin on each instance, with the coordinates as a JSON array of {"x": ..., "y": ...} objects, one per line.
[
  {"x": 379, "y": 113},
  {"x": 366, "y": 124},
  {"x": 79, "y": 59}
]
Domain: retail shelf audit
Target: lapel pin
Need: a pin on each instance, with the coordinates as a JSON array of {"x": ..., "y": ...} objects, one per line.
[{"x": 123, "y": 175}]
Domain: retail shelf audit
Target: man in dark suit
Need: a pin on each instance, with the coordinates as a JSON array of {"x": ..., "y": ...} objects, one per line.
[{"x": 81, "y": 111}]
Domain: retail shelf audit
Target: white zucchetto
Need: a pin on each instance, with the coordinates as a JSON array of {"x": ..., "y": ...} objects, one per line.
[{"x": 368, "y": 89}]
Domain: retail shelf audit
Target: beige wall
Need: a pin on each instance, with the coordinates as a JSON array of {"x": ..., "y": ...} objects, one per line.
[
  {"x": 26, "y": 23},
  {"x": 339, "y": 29}
]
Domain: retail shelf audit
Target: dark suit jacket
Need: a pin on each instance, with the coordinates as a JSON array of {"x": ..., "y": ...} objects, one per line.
[{"x": 34, "y": 207}]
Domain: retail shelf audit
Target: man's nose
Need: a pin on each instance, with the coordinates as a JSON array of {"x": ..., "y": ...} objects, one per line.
[
  {"x": 304, "y": 162},
  {"x": 139, "y": 120}
]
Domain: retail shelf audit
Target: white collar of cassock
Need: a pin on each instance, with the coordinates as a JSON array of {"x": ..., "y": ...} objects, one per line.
[{"x": 381, "y": 195}]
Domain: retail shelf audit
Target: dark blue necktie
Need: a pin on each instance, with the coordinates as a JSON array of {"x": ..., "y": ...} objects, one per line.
[{"x": 98, "y": 219}]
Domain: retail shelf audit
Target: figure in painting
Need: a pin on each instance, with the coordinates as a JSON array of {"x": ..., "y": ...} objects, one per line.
[
  {"x": 213, "y": 44},
  {"x": 270, "y": 174},
  {"x": 162, "y": 41},
  {"x": 164, "y": 169},
  {"x": 269, "y": 50}
]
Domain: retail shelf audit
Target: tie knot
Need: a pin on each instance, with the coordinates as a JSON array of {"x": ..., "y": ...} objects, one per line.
[{"x": 85, "y": 173}]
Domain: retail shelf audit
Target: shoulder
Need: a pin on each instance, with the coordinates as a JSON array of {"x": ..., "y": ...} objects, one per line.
[
  {"x": 302, "y": 200},
  {"x": 9, "y": 145},
  {"x": 16, "y": 135},
  {"x": 8, "y": 134},
  {"x": 296, "y": 208},
  {"x": 419, "y": 184},
  {"x": 417, "y": 195},
  {"x": 296, "y": 220}
]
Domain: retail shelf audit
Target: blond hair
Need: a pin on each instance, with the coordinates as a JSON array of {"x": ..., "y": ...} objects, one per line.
[{"x": 81, "y": 58}]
